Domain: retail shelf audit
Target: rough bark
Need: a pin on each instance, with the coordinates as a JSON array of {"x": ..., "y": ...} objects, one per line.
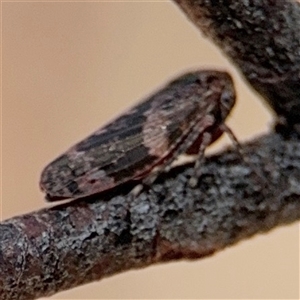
[
  {"x": 58, "y": 248},
  {"x": 262, "y": 38},
  {"x": 62, "y": 247}
]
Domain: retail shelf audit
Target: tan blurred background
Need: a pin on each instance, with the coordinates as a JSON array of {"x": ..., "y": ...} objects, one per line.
[{"x": 70, "y": 67}]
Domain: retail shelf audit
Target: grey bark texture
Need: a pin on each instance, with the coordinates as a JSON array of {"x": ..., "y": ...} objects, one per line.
[
  {"x": 58, "y": 248},
  {"x": 262, "y": 38}
]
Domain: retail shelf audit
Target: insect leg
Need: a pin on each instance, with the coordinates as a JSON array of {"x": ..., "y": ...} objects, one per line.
[
  {"x": 242, "y": 154},
  {"x": 206, "y": 141},
  {"x": 233, "y": 139},
  {"x": 184, "y": 145}
]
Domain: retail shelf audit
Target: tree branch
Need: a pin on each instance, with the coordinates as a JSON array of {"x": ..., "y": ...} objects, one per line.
[
  {"x": 68, "y": 245},
  {"x": 262, "y": 38},
  {"x": 58, "y": 248}
]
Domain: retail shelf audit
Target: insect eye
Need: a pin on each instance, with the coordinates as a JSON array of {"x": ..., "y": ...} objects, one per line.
[{"x": 226, "y": 98}]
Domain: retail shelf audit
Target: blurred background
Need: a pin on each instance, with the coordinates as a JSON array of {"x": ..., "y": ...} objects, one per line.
[{"x": 69, "y": 67}]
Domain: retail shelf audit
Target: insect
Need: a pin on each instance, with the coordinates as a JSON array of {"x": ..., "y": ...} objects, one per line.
[{"x": 184, "y": 117}]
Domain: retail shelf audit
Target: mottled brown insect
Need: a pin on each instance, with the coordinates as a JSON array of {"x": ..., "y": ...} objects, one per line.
[{"x": 184, "y": 117}]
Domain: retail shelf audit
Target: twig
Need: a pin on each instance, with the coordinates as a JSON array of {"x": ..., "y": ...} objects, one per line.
[
  {"x": 262, "y": 38},
  {"x": 65, "y": 246}
]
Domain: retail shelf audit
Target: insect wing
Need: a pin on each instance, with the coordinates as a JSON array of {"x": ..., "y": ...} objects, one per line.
[
  {"x": 125, "y": 149},
  {"x": 146, "y": 136}
]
